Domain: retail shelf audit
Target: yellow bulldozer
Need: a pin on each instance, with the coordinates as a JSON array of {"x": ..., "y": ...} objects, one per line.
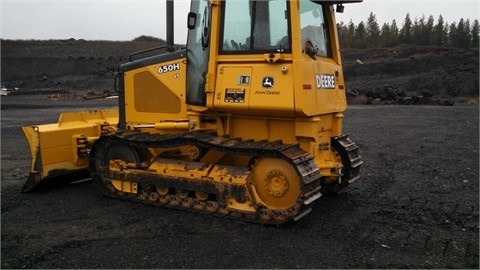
[{"x": 245, "y": 122}]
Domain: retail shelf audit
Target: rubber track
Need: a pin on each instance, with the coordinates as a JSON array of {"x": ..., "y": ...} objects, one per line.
[{"x": 301, "y": 160}]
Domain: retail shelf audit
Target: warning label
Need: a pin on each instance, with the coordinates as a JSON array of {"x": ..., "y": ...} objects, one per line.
[{"x": 235, "y": 95}]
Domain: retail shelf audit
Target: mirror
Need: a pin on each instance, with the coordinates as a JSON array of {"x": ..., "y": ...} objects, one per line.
[
  {"x": 340, "y": 8},
  {"x": 192, "y": 20}
]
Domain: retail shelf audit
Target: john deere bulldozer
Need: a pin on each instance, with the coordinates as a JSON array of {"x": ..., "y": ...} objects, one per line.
[{"x": 245, "y": 122}]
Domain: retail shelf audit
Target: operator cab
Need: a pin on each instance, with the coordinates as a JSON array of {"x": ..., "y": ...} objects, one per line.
[{"x": 248, "y": 34}]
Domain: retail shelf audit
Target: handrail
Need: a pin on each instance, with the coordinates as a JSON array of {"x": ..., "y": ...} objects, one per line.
[{"x": 169, "y": 49}]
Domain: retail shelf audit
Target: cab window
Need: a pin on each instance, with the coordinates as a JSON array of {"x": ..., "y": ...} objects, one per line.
[
  {"x": 314, "y": 28},
  {"x": 255, "y": 26}
]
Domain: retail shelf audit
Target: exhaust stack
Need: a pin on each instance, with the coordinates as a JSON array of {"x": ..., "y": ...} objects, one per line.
[{"x": 170, "y": 16}]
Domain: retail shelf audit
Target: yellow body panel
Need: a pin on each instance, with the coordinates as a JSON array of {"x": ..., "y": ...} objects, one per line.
[
  {"x": 233, "y": 94},
  {"x": 156, "y": 92}
]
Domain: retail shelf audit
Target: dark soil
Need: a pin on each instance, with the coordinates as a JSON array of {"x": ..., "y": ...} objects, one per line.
[
  {"x": 415, "y": 206},
  {"x": 432, "y": 74}
]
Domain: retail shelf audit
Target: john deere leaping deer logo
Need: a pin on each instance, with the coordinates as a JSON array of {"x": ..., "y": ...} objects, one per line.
[{"x": 267, "y": 82}]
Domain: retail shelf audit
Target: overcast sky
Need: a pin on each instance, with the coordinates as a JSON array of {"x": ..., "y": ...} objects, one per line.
[{"x": 128, "y": 19}]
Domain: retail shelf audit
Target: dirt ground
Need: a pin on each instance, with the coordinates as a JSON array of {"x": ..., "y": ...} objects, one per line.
[{"x": 415, "y": 206}]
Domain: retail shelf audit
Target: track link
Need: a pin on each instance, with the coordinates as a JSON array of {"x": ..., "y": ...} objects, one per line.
[{"x": 353, "y": 160}]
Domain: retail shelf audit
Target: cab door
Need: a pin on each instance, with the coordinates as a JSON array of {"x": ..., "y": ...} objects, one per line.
[{"x": 197, "y": 51}]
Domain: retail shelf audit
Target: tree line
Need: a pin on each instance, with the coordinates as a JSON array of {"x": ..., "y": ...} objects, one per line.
[{"x": 420, "y": 31}]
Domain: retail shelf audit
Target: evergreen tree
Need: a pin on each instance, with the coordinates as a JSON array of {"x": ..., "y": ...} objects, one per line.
[
  {"x": 385, "y": 35},
  {"x": 439, "y": 37},
  {"x": 468, "y": 34},
  {"x": 406, "y": 31},
  {"x": 395, "y": 33},
  {"x": 351, "y": 34},
  {"x": 452, "y": 35},
  {"x": 429, "y": 30},
  {"x": 417, "y": 32},
  {"x": 373, "y": 31},
  {"x": 422, "y": 31},
  {"x": 446, "y": 32},
  {"x": 361, "y": 36},
  {"x": 342, "y": 32},
  {"x": 462, "y": 35},
  {"x": 475, "y": 32}
]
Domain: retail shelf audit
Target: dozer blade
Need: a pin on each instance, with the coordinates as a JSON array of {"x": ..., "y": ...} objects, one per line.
[{"x": 59, "y": 151}]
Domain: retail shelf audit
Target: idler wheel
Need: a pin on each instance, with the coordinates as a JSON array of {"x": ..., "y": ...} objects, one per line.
[{"x": 276, "y": 182}]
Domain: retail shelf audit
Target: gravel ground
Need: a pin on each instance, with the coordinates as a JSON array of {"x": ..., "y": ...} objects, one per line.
[{"x": 415, "y": 206}]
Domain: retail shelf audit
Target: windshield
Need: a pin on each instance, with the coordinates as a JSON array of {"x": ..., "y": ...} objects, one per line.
[{"x": 255, "y": 26}]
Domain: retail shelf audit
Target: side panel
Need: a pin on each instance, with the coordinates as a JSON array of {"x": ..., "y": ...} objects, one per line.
[
  {"x": 320, "y": 82},
  {"x": 156, "y": 92},
  {"x": 322, "y": 88},
  {"x": 262, "y": 88}
]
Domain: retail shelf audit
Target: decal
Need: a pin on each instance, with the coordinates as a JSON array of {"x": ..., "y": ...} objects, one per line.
[
  {"x": 262, "y": 92},
  {"x": 325, "y": 81},
  {"x": 267, "y": 82},
  {"x": 235, "y": 95},
  {"x": 168, "y": 68}
]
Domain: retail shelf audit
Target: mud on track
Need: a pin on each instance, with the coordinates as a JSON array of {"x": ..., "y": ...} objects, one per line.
[{"x": 415, "y": 206}]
